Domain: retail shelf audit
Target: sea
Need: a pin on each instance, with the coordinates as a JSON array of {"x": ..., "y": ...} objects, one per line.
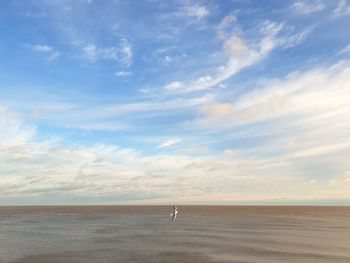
[{"x": 200, "y": 234}]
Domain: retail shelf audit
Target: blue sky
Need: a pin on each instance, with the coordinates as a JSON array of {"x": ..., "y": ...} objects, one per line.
[{"x": 157, "y": 102}]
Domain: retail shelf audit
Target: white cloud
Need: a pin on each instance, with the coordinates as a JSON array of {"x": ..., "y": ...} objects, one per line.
[
  {"x": 235, "y": 46},
  {"x": 328, "y": 85},
  {"x": 169, "y": 142},
  {"x": 225, "y": 25},
  {"x": 13, "y": 131},
  {"x": 123, "y": 73},
  {"x": 42, "y": 48},
  {"x": 101, "y": 126},
  {"x": 295, "y": 39},
  {"x": 242, "y": 54},
  {"x": 322, "y": 150},
  {"x": 173, "y": 86},
  {"x": 122, "y": 53},
  {"x": 196, "y": 11},
  {"x": 233, "y": 66},
  {"x": 347, "y": 176},
  {"x": 311, "y": 110},
  {"x": 229, "y": 152},
  {"x": 216, "y": 110},
  {"x": 126, "y": 51},
  {"x": 167, "y": 60},
  {"x": 187, "y": 15},
  {"x": 307, "y": 7},
  {"x": 344, "y": 50},
  {"x": 342, "y": 9},
  {"x": 91, "y": 52},
  {"x": 308, "y": 114},
  {"x": 60, "y": 172},
  {"x": 44, "y": 170},
  {"x": 108, "y": 117},
  {"x": 50, "y": 52}
]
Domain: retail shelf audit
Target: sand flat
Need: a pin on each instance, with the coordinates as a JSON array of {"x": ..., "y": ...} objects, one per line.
[{"x": 200, "y": 234}]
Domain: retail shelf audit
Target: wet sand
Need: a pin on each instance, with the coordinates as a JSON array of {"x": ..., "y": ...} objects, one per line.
[{"x": 146, "y": 234}]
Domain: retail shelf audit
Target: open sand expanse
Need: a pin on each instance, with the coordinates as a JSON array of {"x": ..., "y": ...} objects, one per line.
[{"x": 200, "y": 234}]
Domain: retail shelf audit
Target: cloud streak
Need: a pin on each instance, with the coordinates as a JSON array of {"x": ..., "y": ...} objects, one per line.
[
  {"x": 169, "y": 143},
  {"x": 304, "y": 116},
  {"x": 122, "y": 53},
  {"x": 174, "y": 101},
  {"x": 45, "y": 169},
  {"x": 49, "y": 51},
  {"x": 342, "y": 9},
  {"x": 241, "y": 54},
  {"x": 307, "y": 7}
]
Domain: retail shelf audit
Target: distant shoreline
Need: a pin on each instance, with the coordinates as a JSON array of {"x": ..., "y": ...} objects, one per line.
[{"x": 183, "y": 205}]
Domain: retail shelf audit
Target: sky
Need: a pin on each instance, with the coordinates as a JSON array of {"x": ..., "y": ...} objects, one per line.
[{"x": 163, "y": 102}]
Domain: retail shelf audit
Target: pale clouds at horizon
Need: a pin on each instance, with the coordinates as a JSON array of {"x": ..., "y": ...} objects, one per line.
[{"x": 175, "y": 102}]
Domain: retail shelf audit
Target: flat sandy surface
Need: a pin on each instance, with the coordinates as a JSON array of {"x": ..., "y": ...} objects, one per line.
[{"x": 200, "y": 234}]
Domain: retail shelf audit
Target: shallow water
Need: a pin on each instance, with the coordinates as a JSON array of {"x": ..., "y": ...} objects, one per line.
[{"x": 203, "y": 234}]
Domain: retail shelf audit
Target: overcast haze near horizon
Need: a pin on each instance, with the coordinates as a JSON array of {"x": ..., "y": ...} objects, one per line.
[{"x": 188, "y": 102}]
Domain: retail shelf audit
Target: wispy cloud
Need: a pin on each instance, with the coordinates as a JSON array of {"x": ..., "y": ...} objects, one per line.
[
  {"x": 13, "y": 131},
  {"x": 186, "y": 15},
  {"x": 342, "y": 9},
  {"x": 229, "y": 152},
  {"x": 126, "y": 51},
  {"x": 169, "y": 142},
  {"x": 108, "y": 117},
  {"x": 344, "y": 50},
  {"x": 216, "y": 98},
  {"x": 312, "y": 105},
  {"x": 49, "y": 51},
  {"x": 121, "y": 53},
  {"x": 123, "y": 74},
  {"x": 195, "y": 11},
  {"x": 173, "y": 86},
  {"x": 308, "y": 7},
  {"x": 226, "y": 23},
  {"x": 100, "y": 126},
  {"x": 57, "y": 171},
  {"x": 241, "y": 54},
  {"x": 216, "y": 110}
]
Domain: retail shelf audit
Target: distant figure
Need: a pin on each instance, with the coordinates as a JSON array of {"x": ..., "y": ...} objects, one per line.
[{"x": 174, "y": 213}]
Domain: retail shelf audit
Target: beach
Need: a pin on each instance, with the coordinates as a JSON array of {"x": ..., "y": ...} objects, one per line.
[{"x": 199, "y": 234}]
